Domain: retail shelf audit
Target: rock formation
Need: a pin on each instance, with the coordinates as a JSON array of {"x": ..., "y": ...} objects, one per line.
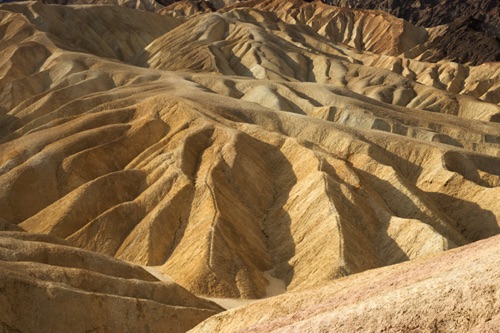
[
  {"x": 469, "y": 30},
  {"x": 295, "y": 139},
  {"x": 49, "y": 286},
  {"x": 429, "y": 13},
  {"x": 461, "y": 31},
  {"x": 453, "y": 292}
]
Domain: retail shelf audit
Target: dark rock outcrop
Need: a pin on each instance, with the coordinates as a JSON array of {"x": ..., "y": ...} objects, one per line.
[{"x": 473, "y": 27}]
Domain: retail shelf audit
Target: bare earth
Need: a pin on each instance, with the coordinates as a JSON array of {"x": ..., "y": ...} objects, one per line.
[
  {"x": 442, "y": 293},
  {"x": 268, "y": 147}
]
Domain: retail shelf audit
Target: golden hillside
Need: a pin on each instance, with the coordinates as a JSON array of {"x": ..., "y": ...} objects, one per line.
[{"x": 266, "y": 140}]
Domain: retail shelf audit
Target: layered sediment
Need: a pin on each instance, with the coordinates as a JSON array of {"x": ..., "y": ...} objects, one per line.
[{"x": 296, "y": 139}]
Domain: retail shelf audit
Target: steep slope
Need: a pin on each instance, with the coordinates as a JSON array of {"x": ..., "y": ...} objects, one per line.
[
  {"x": 454, "y": 292},
  {"x": 116, "y": 32},
  {"x": 469, "y": 29},
  {"x": 430, "y": 13},
  {"x": 236, "y": 143},
  {"x": 283, "y": 49},
  {"x": 49, "y": 286},
  {"x": 466, "y": 32}
]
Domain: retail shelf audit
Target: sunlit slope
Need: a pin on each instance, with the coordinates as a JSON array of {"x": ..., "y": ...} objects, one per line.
[
  {"x": 225, "y": 145},
  {"x": 50, "y": 286},
  {"x": 456, "y": 291}
]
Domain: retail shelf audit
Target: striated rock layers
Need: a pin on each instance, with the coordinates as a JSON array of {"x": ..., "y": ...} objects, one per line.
[
  {"x": 454, "y": 292},
  {"x": 282, "y": 136},
  {"x": 430, "y": 13},
  {"x": 469, "y": 29},
  {"x": 48, "y": 286},
  {"x": 460, "y": 31}
]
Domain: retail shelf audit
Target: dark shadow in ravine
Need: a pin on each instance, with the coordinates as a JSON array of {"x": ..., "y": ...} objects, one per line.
[
  {"x": 251, "y": 193},
  {"x": 460, "y": 212},
  {"x": 277, "y": 224},
  {"x": 8, "y": 124},
  {"x": 472, "y": 221},
  {"x": 362, "y": 222},
  {"x": 399, "y": 206},
  {"x": 248, "y": 181}
]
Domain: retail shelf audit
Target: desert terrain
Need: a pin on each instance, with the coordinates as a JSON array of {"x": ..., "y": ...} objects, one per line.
[{"x": 319, "y": 168}]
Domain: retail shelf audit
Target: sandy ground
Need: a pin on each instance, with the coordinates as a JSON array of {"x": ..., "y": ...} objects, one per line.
[{"x": 275, "y": 287}]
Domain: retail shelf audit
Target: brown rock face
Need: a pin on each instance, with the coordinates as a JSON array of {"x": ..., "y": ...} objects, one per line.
[
  {"x": 48, "y": 286},
  {"x": 430, "y": 13},
  {"x": 260, "y": 152},
  {"x": 470, "y": 32},
  {"x": 269, "y": 138}
]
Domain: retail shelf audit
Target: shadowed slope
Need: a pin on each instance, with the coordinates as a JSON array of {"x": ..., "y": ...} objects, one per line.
[
  {"x": 43, "y": 277},
  {"x": 267, "y": 45},
  {"x": 456, "y": 291},
  {"x": 466, "y": 31},
  {"x": 114, "y": 32},
  {"x": 282, "y": 152}
]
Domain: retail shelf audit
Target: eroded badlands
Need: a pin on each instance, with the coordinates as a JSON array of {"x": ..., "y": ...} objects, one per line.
[{"x": 306, "y": 140}]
